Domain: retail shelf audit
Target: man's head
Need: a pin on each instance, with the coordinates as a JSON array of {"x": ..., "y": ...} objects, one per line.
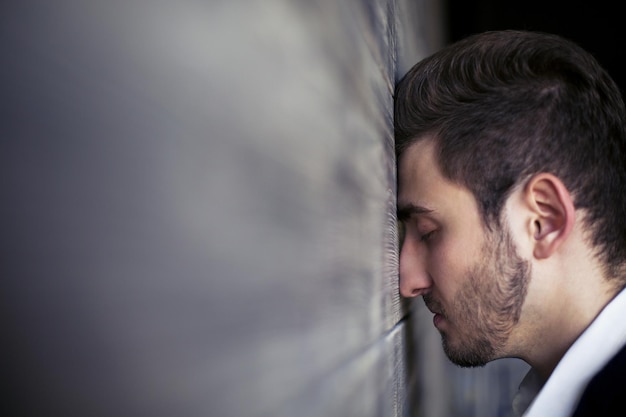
[
  {"x": 496, "y": 125},
  {"x": 502, "y": 106}
]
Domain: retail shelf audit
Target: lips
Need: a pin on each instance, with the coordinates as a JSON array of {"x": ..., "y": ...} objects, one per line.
[
  {"x": 437, "y": 319},
  {"x": 434, "y": 307}
]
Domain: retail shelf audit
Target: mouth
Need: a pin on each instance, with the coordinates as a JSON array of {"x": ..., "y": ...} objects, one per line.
[
  {"x": 437, "y": 320},
  {"x": 434, "y": 307}
]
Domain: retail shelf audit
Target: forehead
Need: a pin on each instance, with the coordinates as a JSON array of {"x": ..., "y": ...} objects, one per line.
[
  {"x": 417, "y": 166},
  {"x": 421, "y": 183}
]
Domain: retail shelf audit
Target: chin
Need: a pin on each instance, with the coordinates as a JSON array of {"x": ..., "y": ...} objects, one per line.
[{"x": 469, "y": 355}]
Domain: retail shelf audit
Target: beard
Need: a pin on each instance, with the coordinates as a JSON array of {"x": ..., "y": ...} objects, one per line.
[{"x": 486, "y": 308}]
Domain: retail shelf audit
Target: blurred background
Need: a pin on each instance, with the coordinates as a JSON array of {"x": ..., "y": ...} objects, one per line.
[
  {"x": 198, "y": 214},
  {"x": 597, "y": 26}
]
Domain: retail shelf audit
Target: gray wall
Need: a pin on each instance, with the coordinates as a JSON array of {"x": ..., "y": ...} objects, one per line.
[{"x": 198, "y": 206}]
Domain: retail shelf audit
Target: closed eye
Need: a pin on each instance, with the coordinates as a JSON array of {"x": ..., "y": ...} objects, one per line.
[{"x": 427, "y": 236}]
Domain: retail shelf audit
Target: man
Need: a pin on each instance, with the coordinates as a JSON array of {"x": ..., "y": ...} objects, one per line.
[{"x": 511, "y": 151}]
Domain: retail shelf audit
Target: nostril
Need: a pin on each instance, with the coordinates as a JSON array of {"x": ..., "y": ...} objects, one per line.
[{"x": 411, "y": 292}]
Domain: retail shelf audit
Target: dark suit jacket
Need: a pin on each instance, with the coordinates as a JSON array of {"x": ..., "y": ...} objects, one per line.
[{"x": 605, "y": 395}]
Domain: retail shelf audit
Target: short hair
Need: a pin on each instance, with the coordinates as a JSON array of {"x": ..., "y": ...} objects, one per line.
[{"x": 504, "y": 105}]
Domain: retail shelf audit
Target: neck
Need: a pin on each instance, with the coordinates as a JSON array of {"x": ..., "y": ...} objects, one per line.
[{"x": 561, "y": 316}]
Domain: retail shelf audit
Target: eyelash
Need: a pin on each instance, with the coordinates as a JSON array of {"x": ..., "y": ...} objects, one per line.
[{"x": 427, "y": 236}]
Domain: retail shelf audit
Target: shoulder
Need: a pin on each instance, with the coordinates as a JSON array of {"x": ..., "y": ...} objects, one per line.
[{"x": 605, "y": 394}]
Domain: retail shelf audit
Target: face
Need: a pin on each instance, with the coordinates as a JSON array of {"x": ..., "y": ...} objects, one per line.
[{"x": 473, "y": 280}]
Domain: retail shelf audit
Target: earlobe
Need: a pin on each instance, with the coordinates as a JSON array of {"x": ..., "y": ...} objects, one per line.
[{"x": 553, "y": 213}]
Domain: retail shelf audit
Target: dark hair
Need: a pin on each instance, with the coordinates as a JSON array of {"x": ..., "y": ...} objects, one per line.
[{"x": 505, "y": 105}]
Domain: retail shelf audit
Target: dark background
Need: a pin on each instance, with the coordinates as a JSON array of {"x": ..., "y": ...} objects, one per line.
[{"x": 597, "y": 25}]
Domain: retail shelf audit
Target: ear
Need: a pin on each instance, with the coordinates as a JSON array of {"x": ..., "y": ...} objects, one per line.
[{"x": 552, "y": 213}]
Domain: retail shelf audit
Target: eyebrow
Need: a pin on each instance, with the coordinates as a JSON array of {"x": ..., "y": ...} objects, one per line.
[{"x": 405, "y": 211}]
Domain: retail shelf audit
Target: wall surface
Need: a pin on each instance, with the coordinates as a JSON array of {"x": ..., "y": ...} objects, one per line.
[{"x": 198, "y": 211}]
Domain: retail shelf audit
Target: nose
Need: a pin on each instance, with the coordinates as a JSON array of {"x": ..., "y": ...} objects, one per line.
[{"x": 414, "y": 278}]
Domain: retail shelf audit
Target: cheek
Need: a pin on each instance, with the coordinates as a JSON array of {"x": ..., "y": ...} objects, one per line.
[{"x": 450, "y": 263}]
